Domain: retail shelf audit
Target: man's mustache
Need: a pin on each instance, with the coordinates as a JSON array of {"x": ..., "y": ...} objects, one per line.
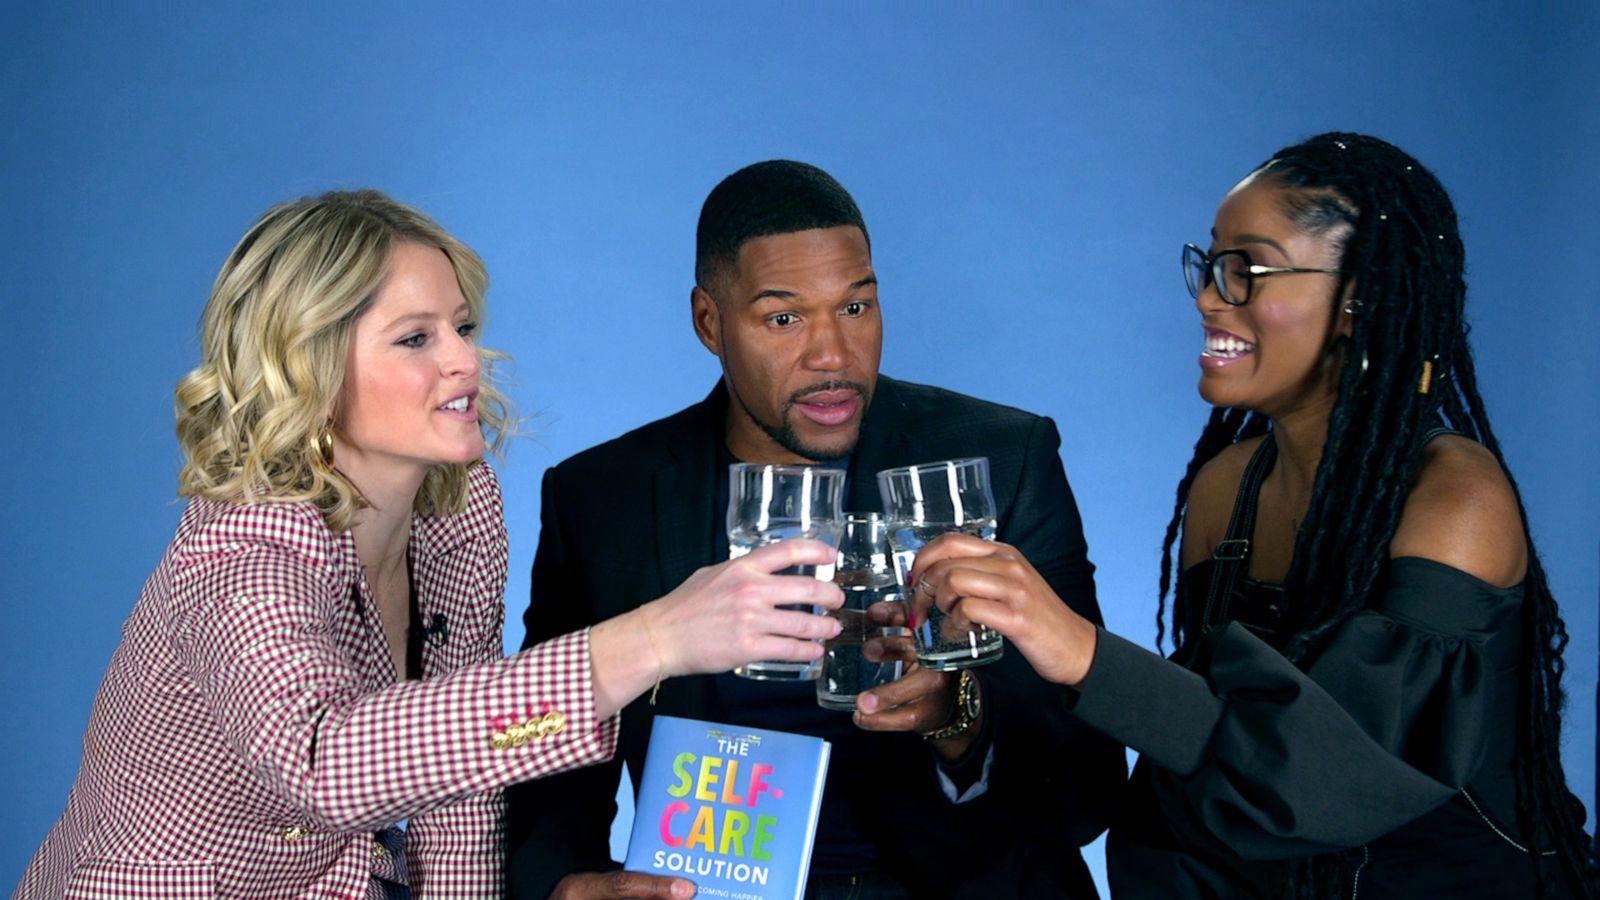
[{"x": 821, "y": 386}]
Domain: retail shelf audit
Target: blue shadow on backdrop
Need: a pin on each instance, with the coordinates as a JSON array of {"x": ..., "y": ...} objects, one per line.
[{"x": 1028, "y": 175}]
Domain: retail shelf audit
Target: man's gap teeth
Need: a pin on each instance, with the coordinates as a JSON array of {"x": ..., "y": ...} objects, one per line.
[
  {"x": 459, "y": 404},
  {"x": 1226, "y": 346}
]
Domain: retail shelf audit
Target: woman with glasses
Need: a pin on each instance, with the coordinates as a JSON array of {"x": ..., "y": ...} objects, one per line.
[
  {"x": 317, "y": 657},
  {"x": 1364, "y": 697}
]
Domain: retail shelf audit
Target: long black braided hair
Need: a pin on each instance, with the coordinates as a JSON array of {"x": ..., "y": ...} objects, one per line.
[{"x": 1403, "y": 250}]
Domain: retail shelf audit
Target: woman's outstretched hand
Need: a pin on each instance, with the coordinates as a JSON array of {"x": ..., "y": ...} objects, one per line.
[
  {"x": 978, "y": 582},
  {"x": 732, "y": 613},
  {"x": 721, "y": 617}
]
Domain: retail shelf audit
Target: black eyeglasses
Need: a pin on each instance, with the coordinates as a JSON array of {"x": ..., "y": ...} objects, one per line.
[{"x": 1232, "y": 272}]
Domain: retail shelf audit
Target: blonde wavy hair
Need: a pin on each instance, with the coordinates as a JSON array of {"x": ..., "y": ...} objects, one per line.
[{"x": 273, "y": 343}]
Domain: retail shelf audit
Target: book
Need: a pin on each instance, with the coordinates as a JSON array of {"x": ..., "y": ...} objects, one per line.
[{"x": 731, "y": 808}]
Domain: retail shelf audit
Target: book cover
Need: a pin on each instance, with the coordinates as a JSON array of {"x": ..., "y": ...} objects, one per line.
[{"x": 732, "y": 809}]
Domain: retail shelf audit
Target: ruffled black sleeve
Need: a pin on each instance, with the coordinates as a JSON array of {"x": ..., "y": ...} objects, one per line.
[{"x": 1389, "y": 720}]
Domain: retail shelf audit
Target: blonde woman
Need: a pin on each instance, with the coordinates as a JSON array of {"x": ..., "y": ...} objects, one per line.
[{"x": 317, "y": 658}]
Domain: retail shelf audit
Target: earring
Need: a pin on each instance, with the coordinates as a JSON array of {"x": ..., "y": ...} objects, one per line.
[
  {"x": 1352, "y": 306},
  {"x": 322, "y": 445}
]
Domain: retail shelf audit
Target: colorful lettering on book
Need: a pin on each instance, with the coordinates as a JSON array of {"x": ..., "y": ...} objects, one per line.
[
  {"x": 716, "y": 810},
  {"x": 710, "y": 801}
]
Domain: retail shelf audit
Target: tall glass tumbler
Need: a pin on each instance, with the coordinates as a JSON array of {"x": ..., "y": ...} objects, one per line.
[
  {"x": 922, "y": 502},
  {"x": 771, "y": 503},
  {"x": 864, "y": 655}
]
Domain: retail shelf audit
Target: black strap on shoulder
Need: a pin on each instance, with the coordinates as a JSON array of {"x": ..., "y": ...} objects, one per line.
[
  {"x": 1232, "y": 554},
  {"x": 1434, "y": 432}
]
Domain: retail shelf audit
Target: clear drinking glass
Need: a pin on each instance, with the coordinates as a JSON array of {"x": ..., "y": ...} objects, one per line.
[
  {"x": 864, "y": 655},
  {"x": 769, "y": 503},
  {"x": 922, "y": 502}
]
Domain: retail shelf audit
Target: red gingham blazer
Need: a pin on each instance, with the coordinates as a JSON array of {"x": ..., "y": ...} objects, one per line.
[{"x": 250, "y": 738}]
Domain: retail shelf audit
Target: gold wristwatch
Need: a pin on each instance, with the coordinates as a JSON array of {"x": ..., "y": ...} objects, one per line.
[{"x": 969, "y": 703}]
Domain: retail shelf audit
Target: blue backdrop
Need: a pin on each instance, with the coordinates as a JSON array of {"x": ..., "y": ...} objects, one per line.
[{"x": 1028, "y": 174}]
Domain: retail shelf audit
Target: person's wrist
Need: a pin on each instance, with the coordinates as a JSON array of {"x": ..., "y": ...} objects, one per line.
[
  {"x": 658, "y": 640},
  {"x": 1088, "y": 641},
  {"x": 648, "y": 627}
]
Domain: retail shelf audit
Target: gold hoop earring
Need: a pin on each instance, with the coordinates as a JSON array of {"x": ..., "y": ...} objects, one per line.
[{"x": 322, "y": 445}]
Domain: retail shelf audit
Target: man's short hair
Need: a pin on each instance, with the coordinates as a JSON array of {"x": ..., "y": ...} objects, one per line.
[{"x": 779, "y": 196}]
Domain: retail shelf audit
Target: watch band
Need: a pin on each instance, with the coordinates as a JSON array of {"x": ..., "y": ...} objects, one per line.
[{"x": 967, "y": 709}]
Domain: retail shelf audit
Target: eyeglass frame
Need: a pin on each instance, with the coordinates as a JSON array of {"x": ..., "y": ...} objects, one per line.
[{"x": 1251, "y": 268}]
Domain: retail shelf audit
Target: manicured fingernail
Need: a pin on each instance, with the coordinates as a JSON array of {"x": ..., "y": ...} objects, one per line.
[{"x": 866, "y": 703}]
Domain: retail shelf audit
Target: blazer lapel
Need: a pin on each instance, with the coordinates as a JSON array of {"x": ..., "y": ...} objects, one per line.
[
  {"x": 684, "y": 518},
  {"x": 684, "y": 496},
  {"x": 445, "y": 569},
  {"x": 685, "y": 491},
  {"x": 883, "y": 444},
  {"x": 360, "y": 629}
]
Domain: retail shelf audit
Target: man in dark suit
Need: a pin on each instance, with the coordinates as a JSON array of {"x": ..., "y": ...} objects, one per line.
[{"x": 975, "y": 785}]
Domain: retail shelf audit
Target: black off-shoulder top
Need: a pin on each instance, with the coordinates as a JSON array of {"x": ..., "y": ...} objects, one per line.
[{"x": 1393, "y": 745}]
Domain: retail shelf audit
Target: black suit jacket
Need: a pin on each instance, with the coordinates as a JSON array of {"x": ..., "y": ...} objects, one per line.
[{"x": 627, "y": 521}]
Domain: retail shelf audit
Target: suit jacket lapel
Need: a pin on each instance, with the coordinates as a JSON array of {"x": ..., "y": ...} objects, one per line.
[
  {"x": 684, "y": 496},
  {"x": 883, "y": 444}
]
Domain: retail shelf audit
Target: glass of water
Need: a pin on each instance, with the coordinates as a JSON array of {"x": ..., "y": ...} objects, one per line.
[
  {"x": 771, "y": 503},
  {"x": 869, "y": 649},
  {"x": 922, "y": 502}
]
